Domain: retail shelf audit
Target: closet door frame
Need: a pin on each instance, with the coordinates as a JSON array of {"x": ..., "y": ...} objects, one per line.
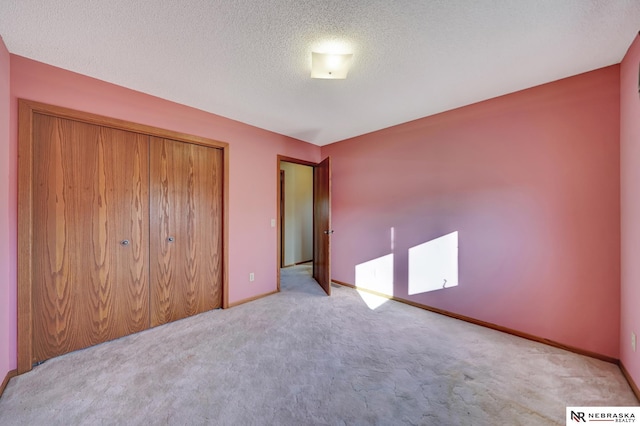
[{"x": 26, "y": 111}]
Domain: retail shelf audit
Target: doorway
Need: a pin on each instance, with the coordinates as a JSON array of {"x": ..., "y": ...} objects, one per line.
[
  {"x": 296, "y": 214},
  {"x": 304, "y": 217}
]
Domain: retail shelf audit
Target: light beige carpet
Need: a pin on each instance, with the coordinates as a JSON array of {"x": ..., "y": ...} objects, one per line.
[{"x": 302, "y": 358}]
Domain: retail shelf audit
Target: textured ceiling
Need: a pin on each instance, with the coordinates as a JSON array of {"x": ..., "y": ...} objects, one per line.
[{"x": 250, "y": 60}]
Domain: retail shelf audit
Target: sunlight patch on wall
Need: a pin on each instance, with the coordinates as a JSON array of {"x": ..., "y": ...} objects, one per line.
[
  {"x": 434, "y": 265},
  {"x": 375, "y": 275}
]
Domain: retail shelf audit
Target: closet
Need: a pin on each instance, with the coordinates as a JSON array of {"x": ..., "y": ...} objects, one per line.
[{"x": 126, "y": 230}]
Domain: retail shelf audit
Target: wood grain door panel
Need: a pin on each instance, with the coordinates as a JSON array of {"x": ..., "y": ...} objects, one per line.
[
  {"x": 186, "y": 229},
  {"x": 90, "y": 194},
  {"x": 322, "y": 224}
]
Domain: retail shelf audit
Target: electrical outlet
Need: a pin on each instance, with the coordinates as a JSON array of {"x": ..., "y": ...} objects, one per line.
[
  {"x": 253, "y": 277},
  {"x": 633, "y": 341}
]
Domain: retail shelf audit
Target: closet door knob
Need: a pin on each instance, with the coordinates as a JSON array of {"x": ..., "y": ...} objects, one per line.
[
  {"x": 171, "y": 239},
  {"x": 124, "y": 242}
]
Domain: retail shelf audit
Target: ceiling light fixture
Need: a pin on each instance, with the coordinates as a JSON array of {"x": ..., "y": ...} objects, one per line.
[{"x": 330, "y": 65}]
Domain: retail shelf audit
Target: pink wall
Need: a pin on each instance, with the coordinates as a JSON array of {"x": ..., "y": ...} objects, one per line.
[
  {"x": 630, "y": 202},
  {"x": 8, "y": 190},
  {"x": 531, "y": 183},
  {"x": 252, "y": 170}
]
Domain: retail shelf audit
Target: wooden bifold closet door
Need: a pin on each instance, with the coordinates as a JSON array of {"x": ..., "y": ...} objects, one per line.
[
  {"x": 186, "y": 216},
  {"x": 90, "y": 196},
  {"x": 127, "y": 233}
]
